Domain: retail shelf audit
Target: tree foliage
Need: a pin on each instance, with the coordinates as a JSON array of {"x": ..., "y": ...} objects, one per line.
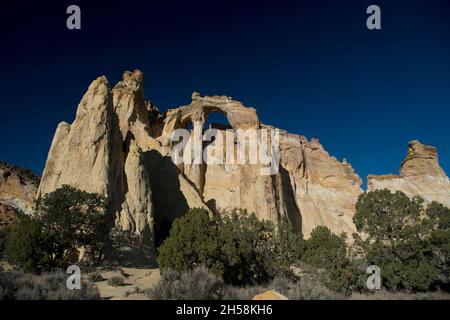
[
  {"x": 328, "y": 252},
  {"x": 3, "y": 232},
  {"x": 440, "y": 240},
  {"x": 247, "y": 248},
  {"x": 24, "y": 245},
  {"x": 65, "y": 220},
  {"x": 237, "y": 246},
  {"x": 408, "y": 242},
  {"x": 192, "y": 242}
]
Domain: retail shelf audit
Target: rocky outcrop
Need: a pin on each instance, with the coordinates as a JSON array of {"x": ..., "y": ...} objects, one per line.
[
  {"x": 308, "y": 177},
  {"x": 18, "y": 189},
  {"x": 325, "y": 190},
  {"x": 100, "y": 153},
  {"x": 270, "y": 295},
  {"x": 80, "y": 154},
  {"x": 420, "y": 175},
  {"x": 121, "y": 146}
]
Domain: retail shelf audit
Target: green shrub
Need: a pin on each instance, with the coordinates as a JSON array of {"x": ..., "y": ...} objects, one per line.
[
  {"x": 65, "y": 220},
  {"x": 196, "y": 284},
  {"x": 247, "y": 249},
  {"x": 397, "y": 238},
  {"x": 440, "y": 240},
  {"x": 192, "y": 242},
  {"x": 47, "y": 286},
  {"x": 289, "y": 246},
  {"x": 116, "y": 281},
  {"x": 237, "y": 247},
  {"x": 3, "y": 235},
  {"x": 25, "y": 245},
  {"x": 328, "y": 253}
]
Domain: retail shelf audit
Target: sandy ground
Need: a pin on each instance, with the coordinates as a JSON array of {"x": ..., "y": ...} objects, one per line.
[{"x": 135, "y": 281}]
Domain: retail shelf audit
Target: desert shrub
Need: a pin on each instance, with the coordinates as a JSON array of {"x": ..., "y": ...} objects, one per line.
[
  {"x": 247, "y": 251},
  {"x": 398, "y": 237},
  {"x": 288, "y": 246},
  {"x": 65, "y": 219},
  {"x": 328, "y": 253},
  {"x": 192, "y": 241},
  {"x": 116, "y": 281},
  {"x": 384, "y": 294},
  {"x": 202, "y": 284},
  {"x": 24, "y": 245},
  {"x": 237, "y": 246},
  {"x": 9, "y": 284},
  {"x": 440, "y": 239},
  {"x": 95, "y": 277},
  {"x": 3, "y": 234},
  {"x": 47, "y": 286},
  {"x": 231, "y": 292},
  {"x": 307, "y": 287},
  {"x": 136, "y": 290},
  {"x": 196, "y": 284}
]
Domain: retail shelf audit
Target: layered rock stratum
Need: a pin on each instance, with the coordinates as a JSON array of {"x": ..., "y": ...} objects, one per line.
[
  {"x": 420, "y": 175},
  {"x": 18, "y": 189},
  {"x": 120, "y": 146}
]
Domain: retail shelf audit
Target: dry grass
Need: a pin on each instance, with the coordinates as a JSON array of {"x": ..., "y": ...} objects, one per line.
[
  {"x": 48, "y": 286},
  {"x": 386, "y": 295}
]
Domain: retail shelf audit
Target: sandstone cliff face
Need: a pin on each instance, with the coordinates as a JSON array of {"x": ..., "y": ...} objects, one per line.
[
  {"x": 99, "y": 153},
  {"x": 325, "y": 189},
  {"x": 420, "y": 175},
  {"x": 80, "y": 153},
  {"x": 18, "y": 189},
  {"x": 311, "y": 188}
]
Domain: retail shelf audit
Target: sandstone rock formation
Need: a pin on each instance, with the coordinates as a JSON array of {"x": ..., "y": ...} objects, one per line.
[
  {"x": 18, "y": 189},
  {"x": 270, "y": 295},
  {"x": 325, "y": 189},
  {"x": 121, "y": 146},
  {"x": 420, "y": 175},
  {"x": 311, "y": 188}
]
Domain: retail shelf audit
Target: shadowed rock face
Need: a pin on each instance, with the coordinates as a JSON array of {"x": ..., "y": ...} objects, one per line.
[
  {"x": 420, "y": 175},
  {"x": 120, "y": 146}
]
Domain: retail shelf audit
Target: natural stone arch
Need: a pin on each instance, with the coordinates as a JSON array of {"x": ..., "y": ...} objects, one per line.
[{"x": 238, "y": 116}]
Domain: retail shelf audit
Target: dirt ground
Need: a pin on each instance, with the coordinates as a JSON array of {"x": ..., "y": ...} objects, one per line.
[{"x": 135, "y": 282}]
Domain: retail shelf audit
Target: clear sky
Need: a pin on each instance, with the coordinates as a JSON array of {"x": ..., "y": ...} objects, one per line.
[{"x": 310, "y": 67}]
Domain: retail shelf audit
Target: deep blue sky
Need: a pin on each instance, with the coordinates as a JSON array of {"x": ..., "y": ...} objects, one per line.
[{"x": 310, "y": 67}]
